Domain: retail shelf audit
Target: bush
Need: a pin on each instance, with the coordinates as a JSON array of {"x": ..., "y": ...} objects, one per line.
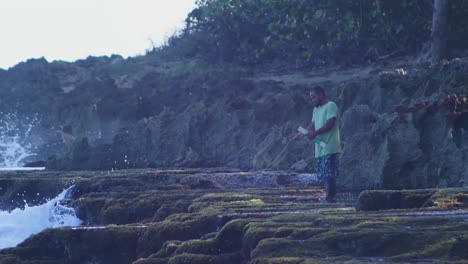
[{"x": 259, "y": 31}]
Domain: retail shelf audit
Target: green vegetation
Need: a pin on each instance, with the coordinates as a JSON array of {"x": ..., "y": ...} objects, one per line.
[{"x": 301, "y": 31}]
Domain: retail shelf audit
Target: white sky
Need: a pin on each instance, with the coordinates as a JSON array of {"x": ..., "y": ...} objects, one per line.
[{"x": 75, "y": 29}]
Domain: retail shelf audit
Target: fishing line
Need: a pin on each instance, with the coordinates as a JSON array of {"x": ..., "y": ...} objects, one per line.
[{"x": 280, "y": 152}]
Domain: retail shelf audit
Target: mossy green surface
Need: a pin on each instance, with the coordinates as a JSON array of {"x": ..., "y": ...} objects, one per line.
[
  {"x": 449, "y": 198},
  {"x": 161, "y": 219}
]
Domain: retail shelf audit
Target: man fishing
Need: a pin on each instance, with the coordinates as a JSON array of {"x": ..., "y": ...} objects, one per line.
[{"x": 325, "y": 132}]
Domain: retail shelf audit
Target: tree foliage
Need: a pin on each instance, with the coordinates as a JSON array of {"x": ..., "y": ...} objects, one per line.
[{"x": 252, "y": 31}]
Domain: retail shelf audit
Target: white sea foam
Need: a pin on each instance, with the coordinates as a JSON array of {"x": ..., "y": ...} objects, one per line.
[
  {"x": 15, "y": 133},
  {"x": 21, "y": 168},
  {"x": 19, "y": 224}
]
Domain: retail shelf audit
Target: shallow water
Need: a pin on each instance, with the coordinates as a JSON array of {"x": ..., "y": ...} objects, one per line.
[{"x": 21, "y": 168}]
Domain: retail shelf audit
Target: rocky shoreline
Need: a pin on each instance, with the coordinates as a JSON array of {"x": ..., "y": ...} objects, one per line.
[{"x": 150, "y": 216}]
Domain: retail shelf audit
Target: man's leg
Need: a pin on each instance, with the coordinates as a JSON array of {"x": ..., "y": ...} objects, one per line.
[
  {"x": 330, "y": 189},
  {"x": 319, "y": 168},
  {"x": 331, "y": 172}
]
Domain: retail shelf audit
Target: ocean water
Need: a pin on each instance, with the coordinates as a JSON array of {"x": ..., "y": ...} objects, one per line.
[
  {"x": 19, "y": 224},
  {"x": 16, "y": 137},
  {"x": 21, "y": 168}
]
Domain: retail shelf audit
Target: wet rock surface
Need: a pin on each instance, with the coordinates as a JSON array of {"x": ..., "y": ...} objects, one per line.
[{"x": 237, "y": 216}]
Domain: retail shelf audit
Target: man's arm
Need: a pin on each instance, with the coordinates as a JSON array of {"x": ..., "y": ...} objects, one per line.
[
  {"x": 311, "y": 127},
  {"x": 327, "y": 127}
]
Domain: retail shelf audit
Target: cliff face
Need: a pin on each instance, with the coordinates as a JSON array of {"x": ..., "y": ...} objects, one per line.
[{"x": 110, "y": 113}]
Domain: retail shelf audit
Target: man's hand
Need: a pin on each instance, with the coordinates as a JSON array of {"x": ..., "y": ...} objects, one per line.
[
  {"x": 312, "y": 134},
  {"x": 298, "y": 136}
]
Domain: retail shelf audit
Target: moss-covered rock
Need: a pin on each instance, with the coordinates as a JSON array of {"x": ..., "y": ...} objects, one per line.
[
  {"x": 389, "y": 199},
  {"x": 202, "y": 259},
  {"x": 164, "y": 216},
  {"x": 111, "y": 244},
  {"x": 404, "y": 199},
  {"x": 182, "y": 227}
]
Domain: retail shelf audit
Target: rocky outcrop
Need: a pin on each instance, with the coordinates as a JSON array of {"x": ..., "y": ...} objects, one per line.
[
  {"x": 374, "y": 200},
  {"x": 138, "y": 189},
  {"x": 142, "y": 112},
  {"x": 410, "y": 146}
]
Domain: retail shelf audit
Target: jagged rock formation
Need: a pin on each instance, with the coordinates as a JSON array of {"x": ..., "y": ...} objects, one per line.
[{"x": 142, "y": 112}]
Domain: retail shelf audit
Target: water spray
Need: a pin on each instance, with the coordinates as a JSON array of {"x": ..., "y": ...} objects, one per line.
[
  {"x": 15, "y": 145},
  {"x": 20, "y": 223}
]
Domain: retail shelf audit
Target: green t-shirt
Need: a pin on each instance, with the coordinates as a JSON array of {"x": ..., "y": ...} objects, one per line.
[{"x": 329, "y": 142}]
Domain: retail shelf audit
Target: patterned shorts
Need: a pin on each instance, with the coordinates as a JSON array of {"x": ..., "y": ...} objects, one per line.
[{"x": 327, "y": 166}]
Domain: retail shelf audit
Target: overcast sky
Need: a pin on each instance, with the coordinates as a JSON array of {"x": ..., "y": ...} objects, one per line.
[{"x": 74, "y": 29}]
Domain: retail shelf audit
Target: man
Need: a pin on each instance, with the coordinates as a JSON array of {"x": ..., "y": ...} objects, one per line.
[{"x": 325, "y": 132}]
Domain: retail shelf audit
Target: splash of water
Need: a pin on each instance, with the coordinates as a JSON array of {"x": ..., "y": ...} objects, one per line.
[
  {"x": 19, "y": 224},
  {"x": 15, "y": 145}
]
